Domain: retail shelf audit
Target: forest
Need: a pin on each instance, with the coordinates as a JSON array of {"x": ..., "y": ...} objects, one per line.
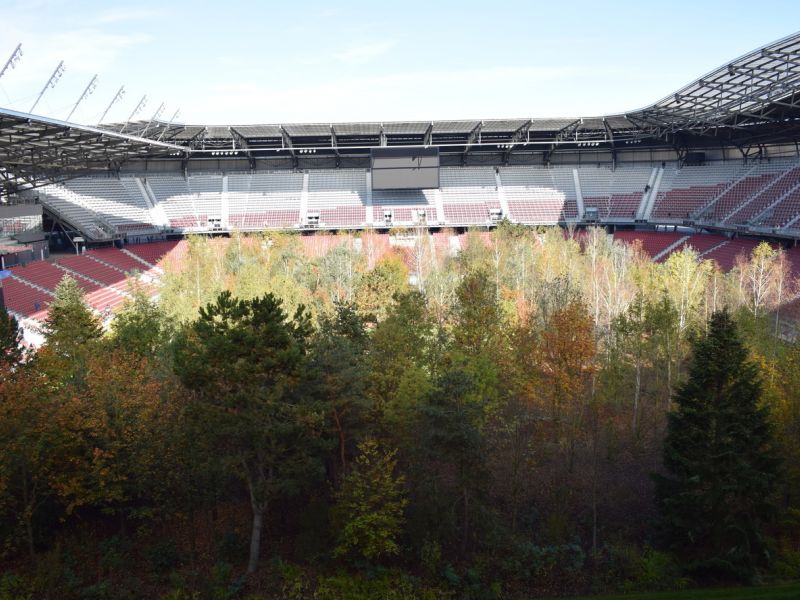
[{"x": 542, "y": 414}]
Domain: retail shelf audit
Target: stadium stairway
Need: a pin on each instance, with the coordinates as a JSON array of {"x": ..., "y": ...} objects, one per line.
[
  {"x": 661, "y": 256},
  {"x": 143, "y": 261}
]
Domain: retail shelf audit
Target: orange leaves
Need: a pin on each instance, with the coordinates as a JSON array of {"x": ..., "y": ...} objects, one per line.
[{"x": 567, "y": 356}]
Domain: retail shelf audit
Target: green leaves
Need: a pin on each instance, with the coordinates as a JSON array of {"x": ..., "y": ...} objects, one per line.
[
  {"x": 720, "y": 459},
  {"x": 10, "y": 339},
  {"x": 370, "y": 503},
  {"x": 243, "y": 361}
]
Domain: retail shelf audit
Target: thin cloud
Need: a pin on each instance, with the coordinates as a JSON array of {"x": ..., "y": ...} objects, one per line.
[{"x": 356, "y": 55}]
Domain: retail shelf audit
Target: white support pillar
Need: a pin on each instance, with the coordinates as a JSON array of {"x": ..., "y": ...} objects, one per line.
[
  {"x": 304, "y": 200},
  {"x": 224, "y": 209},
  {"x": 578, "y": 193},
  {"x": 368, "y": 213},
  {"x": 501, "y": 194},
  {"x": 439, "y": 205}
]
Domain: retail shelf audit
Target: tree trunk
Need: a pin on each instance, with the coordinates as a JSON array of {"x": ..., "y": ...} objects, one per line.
[{"x": 255, "y": 539}]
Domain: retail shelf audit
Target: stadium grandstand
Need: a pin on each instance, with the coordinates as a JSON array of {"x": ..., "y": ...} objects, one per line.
[{"x": 715, "y": 165}]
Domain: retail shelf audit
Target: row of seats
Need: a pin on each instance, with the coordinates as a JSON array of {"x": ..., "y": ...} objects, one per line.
[
  {"x": 102, "y": 274},
  {"x": 652, "y": 243},
  {"x": 756, "y": 194}
]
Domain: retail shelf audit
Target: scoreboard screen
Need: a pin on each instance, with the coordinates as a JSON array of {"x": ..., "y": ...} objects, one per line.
[{"x": 404, "y": 168}]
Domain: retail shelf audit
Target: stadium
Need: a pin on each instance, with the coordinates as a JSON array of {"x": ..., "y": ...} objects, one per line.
[{"x": 482, "y": 358}]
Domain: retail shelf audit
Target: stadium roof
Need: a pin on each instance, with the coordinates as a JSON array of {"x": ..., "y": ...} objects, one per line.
[
  {"x": 752, "y": 100},
  {"x": 759, "y": 88},
  {"x": 37, "y": 150}
]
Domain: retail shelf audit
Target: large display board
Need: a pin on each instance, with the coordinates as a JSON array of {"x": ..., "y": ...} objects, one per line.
[{"x": 404, "y": 168}]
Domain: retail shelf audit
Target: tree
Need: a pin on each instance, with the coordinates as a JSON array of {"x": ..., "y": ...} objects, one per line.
[
  {"x": 72, "y": 330},
  {"x": 117, "y": 421},
  {"x": 400, "y": 361},
  {"x": 70, "y": 322},
  {"x": 377, "y": 288},
  {"x": 10, "y": 339},
  {"x": 686, "y": 279},
  {"x": 30, "y": 448},
  {"x": 720, "y": 460},
  {"x": 337, "y": 371},
  {"x": 243, "y": 359},
  {"x": 371, "y": 502},
  {"x": 141, "y": 327}
]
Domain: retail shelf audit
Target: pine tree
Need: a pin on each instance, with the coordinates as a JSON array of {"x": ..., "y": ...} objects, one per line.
[
  {"x": 244, "y": 360},
  {"x": 720, "y": 460},
  {"x": 70, "y": 322},
  {"x": 10, "y": 339},
  {"x": 72, "y": 333}
]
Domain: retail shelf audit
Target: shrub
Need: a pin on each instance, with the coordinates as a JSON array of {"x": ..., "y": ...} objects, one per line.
[
  {"x": 162, "y": 557},
  {"x": 13, "y": 587},
  {"x": 393, "y": 586}
]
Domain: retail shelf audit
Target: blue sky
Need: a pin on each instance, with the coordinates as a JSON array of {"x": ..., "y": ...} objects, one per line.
[{"x": 229, "y": 62}]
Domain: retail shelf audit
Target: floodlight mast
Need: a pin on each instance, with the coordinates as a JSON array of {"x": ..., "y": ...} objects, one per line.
[
  {"x": 139, "y": 107},
  {"x": 13, "y": 60},
  {"x": 86, "y": 93},
  {"x": 50, "y": 83},
  {"x": 166, "y": 128},
  {"x": 155, "y": 116},
  {"x": 118, "y": 96}
]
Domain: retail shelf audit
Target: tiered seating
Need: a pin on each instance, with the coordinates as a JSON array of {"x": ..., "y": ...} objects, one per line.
[
  {"x": 784, "y": 212},
  {"x": 764, "y": 194},
  {"x": 539, "y": 195},
  {"x": 768, "y": 195},
  {"x": 700, "y": 242},
  {"x": 207, "y": 190},
  {"x": 339, "y": 196},
  {"x": 177, "y": 201},
  {"x": 70, "y": 207},
  {"x": 405, "y": 206},
  {"x": 154, "y": 252},
  {"x": 726, "y": 254},
  {"x": 596, "y": 188},
  {"x": 652, "y": 242},
  {"x": 119, "y": 260},
  {"x": 118, "y": 201},
  {"x": 83, "y": 265},
  {"x": 48, "y": 276},
  {"x": 684, "y": 191},
  {"x": 615, "y": 193},
  {"x": 468, "y": 194},
  {"x": 264, "y": 200},
  {"x": 627, "y": 188},
  {"x": 24, "y": 299},
  {"x": 733, "y": 198}
]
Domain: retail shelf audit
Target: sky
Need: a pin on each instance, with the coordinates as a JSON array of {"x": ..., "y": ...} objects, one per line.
[{"x": 233, "y": 62}]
